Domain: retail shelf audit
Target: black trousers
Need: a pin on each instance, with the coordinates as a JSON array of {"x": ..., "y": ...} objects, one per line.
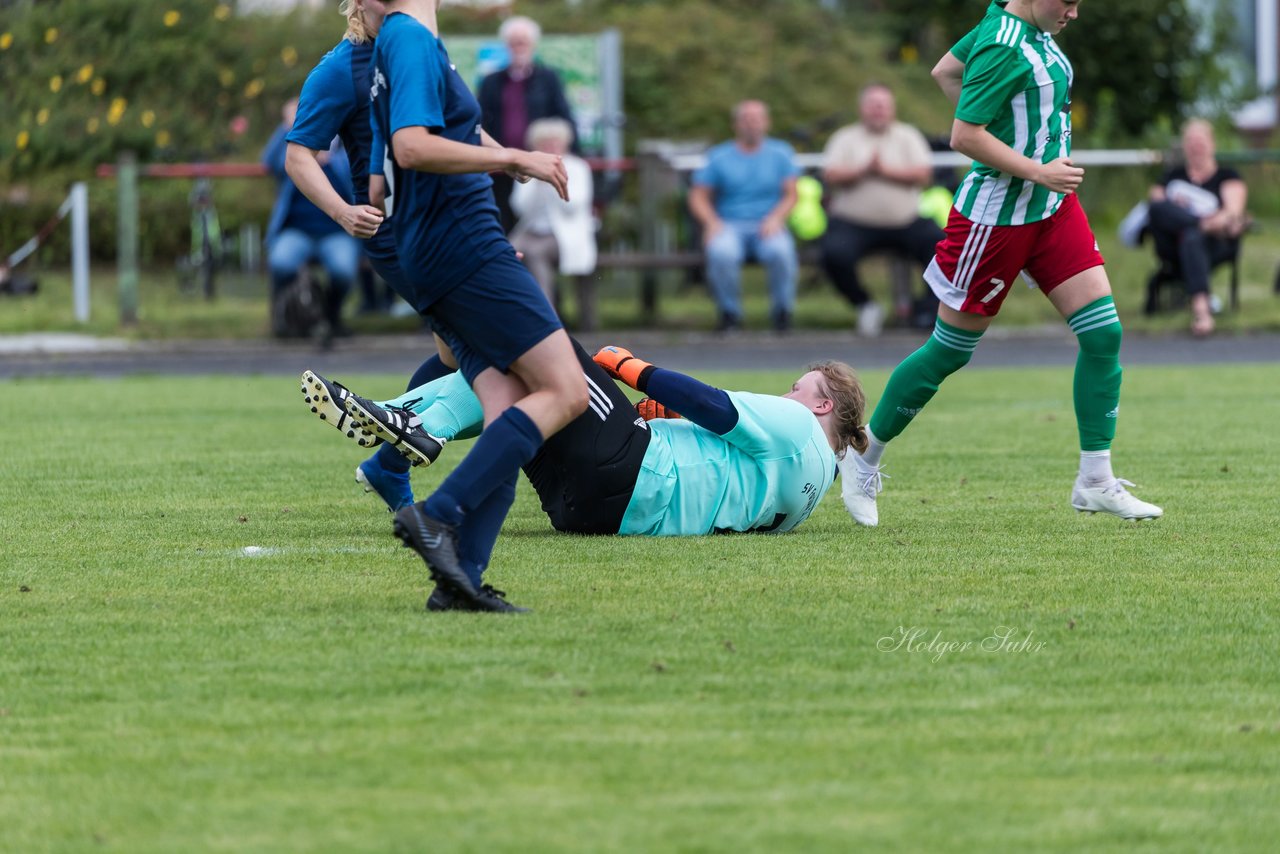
[
  {"x": 1182, "y": 245},
  {"x": 585, "y": 474},
  {"x": 502, "y": 187},
  {"x": 846, "y": 243}
]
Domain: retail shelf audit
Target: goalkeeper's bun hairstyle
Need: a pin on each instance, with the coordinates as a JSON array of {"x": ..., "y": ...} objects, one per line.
[
  {"x": 357, "y": 32},
  {"x": 846, "y": 393}
]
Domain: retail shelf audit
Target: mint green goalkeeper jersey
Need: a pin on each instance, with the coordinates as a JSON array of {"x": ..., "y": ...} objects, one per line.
[
  {"x": 1017, "y": 82},
  {"x": 766, "y": 474}
]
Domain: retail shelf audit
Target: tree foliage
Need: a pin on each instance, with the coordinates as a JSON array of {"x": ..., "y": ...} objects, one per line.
[
  {"x": 1140, "y": 65},
  {"x": 87, "y": 79}
]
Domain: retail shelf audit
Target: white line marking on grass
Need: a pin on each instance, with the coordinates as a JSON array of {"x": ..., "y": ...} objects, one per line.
[{"x": 272, "y": 551}]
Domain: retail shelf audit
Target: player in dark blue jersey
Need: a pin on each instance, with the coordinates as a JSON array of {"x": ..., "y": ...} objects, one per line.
[
  {"x": 464, "y": 274},
  {"x": 335, "y": 102}
]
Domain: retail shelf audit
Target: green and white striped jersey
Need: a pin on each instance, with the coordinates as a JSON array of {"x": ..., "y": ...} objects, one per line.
[{"x": 1017, "y": 82}]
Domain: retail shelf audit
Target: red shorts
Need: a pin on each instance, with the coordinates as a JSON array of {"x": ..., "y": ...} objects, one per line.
[{"x": 975, "y": 266}]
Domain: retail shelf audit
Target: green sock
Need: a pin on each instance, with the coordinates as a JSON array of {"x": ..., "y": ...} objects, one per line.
[
  {"x": 449, "y": 409},
  {"x": 1097, "y": 381},
  {"x": 915, "y": 381}
]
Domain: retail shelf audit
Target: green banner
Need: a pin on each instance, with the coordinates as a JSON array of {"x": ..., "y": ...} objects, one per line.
[{"x": 575, "y": 58}]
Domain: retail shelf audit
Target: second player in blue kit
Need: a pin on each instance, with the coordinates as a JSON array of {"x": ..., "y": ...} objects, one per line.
[
  {"x": 463, "y": 274},
  {"x": 335, "y": 102}
]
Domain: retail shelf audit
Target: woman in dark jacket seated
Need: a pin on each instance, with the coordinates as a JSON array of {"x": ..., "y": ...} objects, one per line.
[{"x": 1197, "y": 217}]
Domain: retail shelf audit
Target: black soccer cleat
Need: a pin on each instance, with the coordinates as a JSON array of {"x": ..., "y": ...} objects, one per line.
[
  {"x": 494, "y": 600},
  {"x": 441, "y": 599},
  {"x": 401, "y": 427},
  {"x": 436, "y": 543},
  {"x": 327, "y": 400}
]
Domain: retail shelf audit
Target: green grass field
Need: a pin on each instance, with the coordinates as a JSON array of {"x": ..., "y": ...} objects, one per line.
[{"x": 160, "y": 691}]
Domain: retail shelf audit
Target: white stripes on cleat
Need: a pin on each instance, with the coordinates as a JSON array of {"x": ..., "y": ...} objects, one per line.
[{"x": 326, "y": 398}]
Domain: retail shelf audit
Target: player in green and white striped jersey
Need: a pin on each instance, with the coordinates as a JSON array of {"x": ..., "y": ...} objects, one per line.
[
  {"x": 1035, "y": 121},
  {"x": 1015, "y": 213}
]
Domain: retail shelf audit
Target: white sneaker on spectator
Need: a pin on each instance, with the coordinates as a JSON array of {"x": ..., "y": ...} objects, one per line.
[
  {"x": 1112, "y": 498},
  {"x": 860, "y": 484},
  {"x": 870, "y": 319},
  {"x": 400, "y": 308}
]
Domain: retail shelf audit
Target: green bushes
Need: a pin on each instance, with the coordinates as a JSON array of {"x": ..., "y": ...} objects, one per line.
[
  {"x": 171, "y": 80},
  {"x": 167, "y": 79}
]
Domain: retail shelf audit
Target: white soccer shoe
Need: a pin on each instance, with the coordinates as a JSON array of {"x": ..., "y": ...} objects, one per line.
[
  {"x": 860, "y": 484},
  {"x": 870, "y": 319},
  {"x": 1112, "y": 498}
]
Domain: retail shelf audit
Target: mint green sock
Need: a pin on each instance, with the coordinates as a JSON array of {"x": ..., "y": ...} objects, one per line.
[
  {"x": 916, "y": 379},
  {"x": 1098, "y": 373},
  {"x": 449, "y": 409}
]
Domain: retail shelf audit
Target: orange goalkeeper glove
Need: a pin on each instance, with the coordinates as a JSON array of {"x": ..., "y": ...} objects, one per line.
[
  {"x": 621, "y": 365},
  {"x": 650, "y": 409}
]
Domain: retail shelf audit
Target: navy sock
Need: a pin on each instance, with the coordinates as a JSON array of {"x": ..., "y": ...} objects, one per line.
[
  {"x": 504, "y": 446},
  {"x": 391, "y": 460},
  {"x": 479, "y": 531},
  {"x": 432, "y": 369}
]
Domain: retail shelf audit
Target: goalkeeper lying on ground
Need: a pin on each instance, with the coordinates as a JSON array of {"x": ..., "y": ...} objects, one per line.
[{"x": 735, "y": 461}]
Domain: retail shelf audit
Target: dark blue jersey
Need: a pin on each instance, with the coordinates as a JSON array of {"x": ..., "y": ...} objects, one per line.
[
  {"x": 446, "y": 226},
  {"x": 335, "y": 102}
]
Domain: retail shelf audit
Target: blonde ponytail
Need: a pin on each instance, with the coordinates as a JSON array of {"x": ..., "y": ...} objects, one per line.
[{"x": 357, "y": 33}]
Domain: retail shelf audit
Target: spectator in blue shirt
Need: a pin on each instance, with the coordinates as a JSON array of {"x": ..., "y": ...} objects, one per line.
[
  {"x": 742, "y": 197},
  {"x": 299, "y": 232}
]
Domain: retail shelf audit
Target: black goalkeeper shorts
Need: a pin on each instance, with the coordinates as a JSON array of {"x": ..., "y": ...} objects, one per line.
[{"x": 585, "y": 474}]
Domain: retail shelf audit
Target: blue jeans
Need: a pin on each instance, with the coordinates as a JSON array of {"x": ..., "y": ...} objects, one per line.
[
  {"x": 738, "y": 242},
  {"x": 338, "y": 253}
]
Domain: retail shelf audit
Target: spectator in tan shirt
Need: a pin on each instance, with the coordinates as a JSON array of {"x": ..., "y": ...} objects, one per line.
[{"x": 874, "y": 171}]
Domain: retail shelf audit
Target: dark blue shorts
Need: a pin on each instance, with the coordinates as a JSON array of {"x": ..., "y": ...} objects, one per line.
[{"x": 494, "y": 317}]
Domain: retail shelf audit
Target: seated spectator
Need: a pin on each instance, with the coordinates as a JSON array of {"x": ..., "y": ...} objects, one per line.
[
  {"x": 874, "y": 172},
  {"x": 741, "y": 198},
  {"x": 1196, "y": 218},
  {"x": 555, "y": 235},
  {"x": 299, "y": 232}
]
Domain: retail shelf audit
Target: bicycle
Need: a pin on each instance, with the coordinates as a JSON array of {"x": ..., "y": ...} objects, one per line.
[{"x": 200, "y": 266}]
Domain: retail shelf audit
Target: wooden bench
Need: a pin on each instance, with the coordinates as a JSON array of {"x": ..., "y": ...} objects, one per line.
[{"x": 650, "y": 263}]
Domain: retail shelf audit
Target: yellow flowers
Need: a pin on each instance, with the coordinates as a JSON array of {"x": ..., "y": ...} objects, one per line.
[
  {"x": 42, "y": 116},
  {"x": 98, "y": 86},
  {"x": 92, "y": 125},
  {"x": 51, "y": 35},
  {"x": 6, "y": 41},
  {"x": 289, "y": 56},
  {"x": 55, "y": 83},
  {"x": 85, "y": 74},
  {"x": 222, "y": 12},
  {"x": 162, "y": 138},
  {"x": 226, "y": 77},
  {"x": 254, "y": 88},
  {"x": 23, "y": 140},
  {"x": 148, "y": 118},
  {"x": 172, "y": 17},
  {"x": 116, "y": 111}
]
